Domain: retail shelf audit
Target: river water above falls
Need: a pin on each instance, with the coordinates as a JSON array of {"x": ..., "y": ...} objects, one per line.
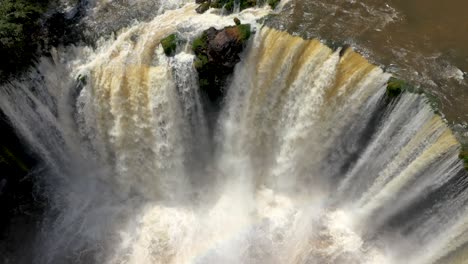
[
  {"x": 308, "y": 160},
  {"x": 423, "y": 41}
]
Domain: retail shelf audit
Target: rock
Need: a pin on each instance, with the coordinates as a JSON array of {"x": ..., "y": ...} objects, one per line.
[
  {"x": 237, "y": 21},
  {"x": 203, "y": 7},
  {"x": 229, "y": 4},
  {"x": 18, "y": 196},
  {"x": 169, "y": 44},
  {"x": 464, "y": 156},
  {"x": 273, "y": 3},
  {"x": 395, "y": 87},
  {"x": 217, "y": 53},
  {"x": 201, "y": 1}
]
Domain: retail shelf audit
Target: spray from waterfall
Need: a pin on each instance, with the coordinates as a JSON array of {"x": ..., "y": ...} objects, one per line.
[{"x": 308, "y": 160}]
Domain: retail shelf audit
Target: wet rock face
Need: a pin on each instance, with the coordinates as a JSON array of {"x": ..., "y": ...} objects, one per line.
[
  {"x": 228, "y": 5},
  {"x": 203, "y": 7},
  {"x": 217, "y": 53},
  {"x": 19, "y": 202},
  {"x": 169, "y": 44}
]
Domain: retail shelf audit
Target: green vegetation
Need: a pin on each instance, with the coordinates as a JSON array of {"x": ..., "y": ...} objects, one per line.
[
  {"x": 200, "y": 43},
  {"x": 82, "y": 79},
  {"x": 198, "y": 46},
  {"x": 273, "y": 3},
  {"x": 395, "y": 87},
  {"x": 464, "y": 156},
  {"x": 200, "y": 61},
  {"x": 203, "y": 8},
  {"x": 19, "y": 22},
  {"x": 229, "y": 4},
  {"x": 217, "y": 53},
  {"x": 244, "y": 31},
  {"x": 433, "y": 101},
  {"x": 169, "y": 44}
]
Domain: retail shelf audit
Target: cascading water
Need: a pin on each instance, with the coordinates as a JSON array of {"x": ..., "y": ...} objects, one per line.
[{"x": 308, "y": 160}]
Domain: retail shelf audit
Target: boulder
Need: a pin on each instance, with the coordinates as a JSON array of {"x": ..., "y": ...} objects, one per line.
[
  {"x": 229, "y": 4},
  {"x": 395, "y": 87},
  {"x": 217, "y": 53},
  {"x": 273, "y": 3},
  {"x": 19, "y": 199},
  {"x": 169, "y": 44},
  {"x": 203, "y": 7}
]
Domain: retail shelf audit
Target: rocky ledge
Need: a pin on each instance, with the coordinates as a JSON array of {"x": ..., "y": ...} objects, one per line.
[
  {"x": 229, "y": 5},
  {"x": 217, "y": 53}
]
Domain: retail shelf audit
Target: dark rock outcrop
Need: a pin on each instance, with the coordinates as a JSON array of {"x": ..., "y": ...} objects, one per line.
[
  {"x": 203, "y": 7},
  {"x": 464, "y": 156},
  {"x": 230, "y": 4},
  {"x": 273, "y": 3},
  {"x": 169, "y": 44},
  {"x": 397, "y": 86},
  {"x": 20, "y": 204},
  {"x": 217, "y": 52}
]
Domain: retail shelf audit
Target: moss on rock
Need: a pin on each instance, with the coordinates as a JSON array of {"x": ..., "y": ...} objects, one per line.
[
  {"x": 273, "y": 3},
  {"x": 169, "y": 44},
  {"x": 200, "y": 43},
  {"x": 203, "y": 7},
  {"x": 395, "y": 87},
  {"x": 464, "y": 156},
  {"x": 244, "y": 31},
  {"x": 229, "y": 4},
  {"x": 200, "y": 61},
  {"x": 217, "y": 53}
]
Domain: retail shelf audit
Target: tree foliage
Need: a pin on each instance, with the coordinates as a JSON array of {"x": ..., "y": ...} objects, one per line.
[{"x": 19, "y": 22}]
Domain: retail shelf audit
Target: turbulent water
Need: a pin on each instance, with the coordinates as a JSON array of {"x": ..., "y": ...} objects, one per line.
[
  {"x": 308, "y": 160},
  {"x": 423, "y": 41}
]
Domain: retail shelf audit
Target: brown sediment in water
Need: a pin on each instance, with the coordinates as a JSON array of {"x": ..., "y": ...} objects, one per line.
[{"x": 422, "y": 41}]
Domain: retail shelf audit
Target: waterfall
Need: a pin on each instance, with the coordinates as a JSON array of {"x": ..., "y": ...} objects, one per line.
[{"x": 308, "y": 160}]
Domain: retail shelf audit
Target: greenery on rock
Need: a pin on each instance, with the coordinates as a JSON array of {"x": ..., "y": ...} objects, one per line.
[
  {"x": 229, "y": 4},
  {"x": 198, "y": 46},
  {"x": 273, "y": 3},
  {"x": 464, "y": 156},
  {"x": 244, "y": 31},
  {"x": 199, "y": 43},
  {"x": 203, "y": 7},
  {"x": 395, "y": 87},
  {"x": 217, "y": 53},
  {"x": 169, "y": 44}
]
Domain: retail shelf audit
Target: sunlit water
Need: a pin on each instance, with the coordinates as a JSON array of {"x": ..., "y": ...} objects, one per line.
[
  {"x": 421, "y": 41},
  {"x": 307, "y": 161}
]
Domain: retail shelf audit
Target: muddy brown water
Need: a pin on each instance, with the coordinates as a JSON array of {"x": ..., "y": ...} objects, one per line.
[{"x": 423, "y": 41}]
